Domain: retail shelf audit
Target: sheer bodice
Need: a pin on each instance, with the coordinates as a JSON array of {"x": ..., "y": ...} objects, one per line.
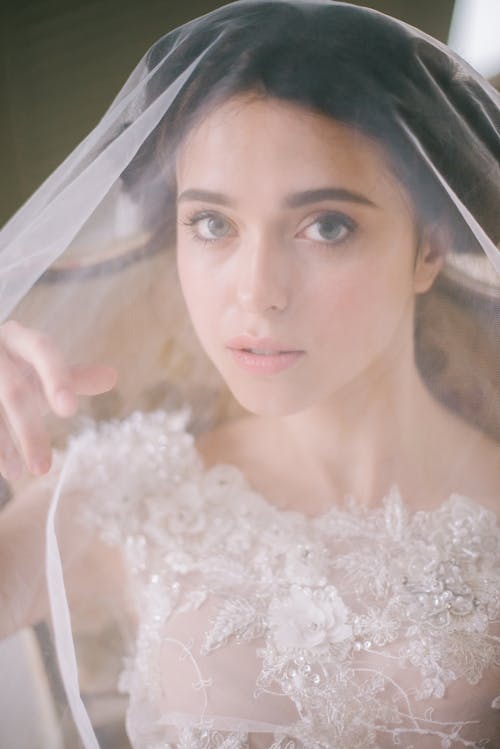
[{"x": 260, "y": 627}]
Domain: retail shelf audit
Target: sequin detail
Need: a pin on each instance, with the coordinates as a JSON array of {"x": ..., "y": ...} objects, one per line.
[{"x": 362, "y": 620}]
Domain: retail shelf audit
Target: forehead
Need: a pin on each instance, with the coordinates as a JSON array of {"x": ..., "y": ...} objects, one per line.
[{"x": 253, "y": 142}]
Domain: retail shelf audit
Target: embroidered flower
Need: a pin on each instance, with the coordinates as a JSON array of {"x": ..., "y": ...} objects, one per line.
[
  {"x": 448, "y": 596},
  {"x": 308, "y": 619}
]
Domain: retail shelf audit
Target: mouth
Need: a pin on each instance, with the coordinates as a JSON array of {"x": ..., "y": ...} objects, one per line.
[
  {"x": 264, "y": 361},
  {"x": 262, "y": 356},
  {"x": 265, "y": 352},
  {"x": 260, "y": 346}
]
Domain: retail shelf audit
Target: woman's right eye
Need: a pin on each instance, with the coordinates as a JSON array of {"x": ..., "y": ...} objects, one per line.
[{"x": 208, "y": 227}]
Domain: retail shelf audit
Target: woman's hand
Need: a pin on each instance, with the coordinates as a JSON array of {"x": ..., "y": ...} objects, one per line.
[{"x": 35, "y": 380}]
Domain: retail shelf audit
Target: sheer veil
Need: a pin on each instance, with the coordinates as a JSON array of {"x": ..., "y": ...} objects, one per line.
[{"x": 90, "y": 259}]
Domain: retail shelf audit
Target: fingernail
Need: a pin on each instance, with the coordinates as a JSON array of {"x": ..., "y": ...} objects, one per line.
[
  {"x": 41, "y": 466},
  {"x": 65, "y": 401}
]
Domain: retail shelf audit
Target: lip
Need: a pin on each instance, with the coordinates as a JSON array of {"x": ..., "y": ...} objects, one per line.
[
  {"x": 265, "y": 363},
  {"x": 278, "y": 355},
  {"x": 269, "y": 345}
]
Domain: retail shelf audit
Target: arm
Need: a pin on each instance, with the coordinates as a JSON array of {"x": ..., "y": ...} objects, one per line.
[
  {"x": 93, "y": 570},
  {"x": 35, "y": 380}
]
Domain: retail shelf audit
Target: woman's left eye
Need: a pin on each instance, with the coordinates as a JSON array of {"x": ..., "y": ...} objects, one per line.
[{"x": 330, "y": 228}]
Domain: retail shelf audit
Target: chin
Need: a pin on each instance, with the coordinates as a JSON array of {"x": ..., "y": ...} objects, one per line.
[{"x": 275, "y": 400}]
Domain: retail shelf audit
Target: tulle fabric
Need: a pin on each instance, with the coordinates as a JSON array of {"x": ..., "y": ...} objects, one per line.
[
  {"x": 90, "y": 259},
  {"x": 353, "y": 628}
]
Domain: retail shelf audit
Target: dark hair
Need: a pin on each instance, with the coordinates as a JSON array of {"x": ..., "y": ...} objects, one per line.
[{"x": 357, "y": 66}]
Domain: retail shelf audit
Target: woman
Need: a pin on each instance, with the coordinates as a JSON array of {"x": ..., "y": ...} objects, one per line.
[{"x": 308, "y": 554}]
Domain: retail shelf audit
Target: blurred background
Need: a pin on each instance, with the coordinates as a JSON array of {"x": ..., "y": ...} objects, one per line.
[
  {"x": 62, "y": 61},
  {"x": 61, "y": 64}
]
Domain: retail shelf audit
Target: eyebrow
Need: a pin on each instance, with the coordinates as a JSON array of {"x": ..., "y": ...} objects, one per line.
[
  {"x": 294, "y": 200},
  {"x": 298, "y": 199},
  {"x": 205, "y": 196}
]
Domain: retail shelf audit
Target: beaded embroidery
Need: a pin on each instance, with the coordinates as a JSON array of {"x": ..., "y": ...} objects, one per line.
[{"x": 359, "y": 618}]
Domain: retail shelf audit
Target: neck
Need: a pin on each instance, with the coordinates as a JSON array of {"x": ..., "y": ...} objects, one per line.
[{"x": 373, "y": 434}]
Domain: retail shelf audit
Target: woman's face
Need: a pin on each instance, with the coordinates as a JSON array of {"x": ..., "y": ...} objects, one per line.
[{"x": 295, "y": 240}]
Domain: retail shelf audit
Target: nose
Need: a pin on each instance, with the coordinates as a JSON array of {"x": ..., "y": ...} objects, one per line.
[{"x": 263, "y": 276}]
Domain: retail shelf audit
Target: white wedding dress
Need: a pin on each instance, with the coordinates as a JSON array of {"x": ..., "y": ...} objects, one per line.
[{"x": 261, "y": 627}]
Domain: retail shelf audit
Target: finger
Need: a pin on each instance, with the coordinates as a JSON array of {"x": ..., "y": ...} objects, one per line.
[
  {"x": 92, "y": 379},
  {"x": 11, "y": 465},
  {"x": 38, "y": 350},
  {"x": 21, "y": 406}
]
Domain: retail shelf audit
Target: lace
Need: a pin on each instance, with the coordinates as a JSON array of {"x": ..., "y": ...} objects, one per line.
[{"x": 362, "y": 627}]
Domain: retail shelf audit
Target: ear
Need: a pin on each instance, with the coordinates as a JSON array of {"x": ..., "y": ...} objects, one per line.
[{"x": 429, "y": 261}]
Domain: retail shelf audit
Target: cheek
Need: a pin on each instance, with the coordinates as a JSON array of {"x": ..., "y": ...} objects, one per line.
[
  {"x": 359, "y": 310},
  {"x": 202, "y": 296}
]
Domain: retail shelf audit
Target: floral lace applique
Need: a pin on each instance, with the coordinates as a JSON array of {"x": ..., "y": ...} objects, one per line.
[{"x": 357, "y": 617}]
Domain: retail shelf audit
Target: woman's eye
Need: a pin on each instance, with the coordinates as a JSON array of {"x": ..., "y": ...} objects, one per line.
[
  {"x": 331, "y": 227},
  {"x": 208, "y": 227}
]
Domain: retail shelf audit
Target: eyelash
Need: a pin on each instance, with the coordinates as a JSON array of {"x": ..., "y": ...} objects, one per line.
[
  {"x": 194, "y": 219},
  {"x": 348, "y": 223}
]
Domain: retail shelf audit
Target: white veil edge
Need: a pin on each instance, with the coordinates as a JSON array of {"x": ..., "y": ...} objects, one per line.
[{"x": 61, "y": 619}]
